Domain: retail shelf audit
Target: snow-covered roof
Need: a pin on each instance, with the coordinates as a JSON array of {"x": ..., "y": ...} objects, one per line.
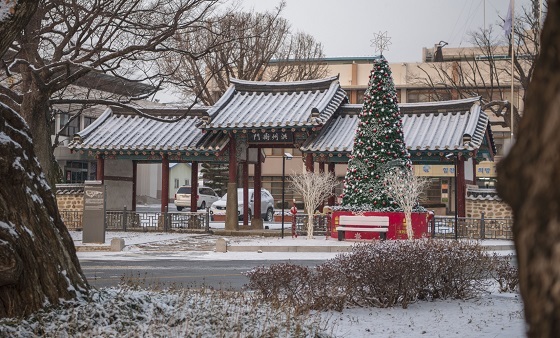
[
  {"x": 433, "y": 128},
  {"x": 128, "y": 134},
  {"x": 260, "y": 105}
]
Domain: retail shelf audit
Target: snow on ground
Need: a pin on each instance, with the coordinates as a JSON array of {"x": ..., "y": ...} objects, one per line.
[{"x": 491, "y": 315}]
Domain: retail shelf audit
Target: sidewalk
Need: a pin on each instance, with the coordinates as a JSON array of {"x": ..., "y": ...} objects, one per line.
[{"x": 201, "y": 242}]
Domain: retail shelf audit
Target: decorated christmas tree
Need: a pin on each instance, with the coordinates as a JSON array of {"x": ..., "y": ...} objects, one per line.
[{"x": 378, "y": 144}]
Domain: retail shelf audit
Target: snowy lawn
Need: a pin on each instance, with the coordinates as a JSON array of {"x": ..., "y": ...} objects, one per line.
[{"x": 135, "y": 312}]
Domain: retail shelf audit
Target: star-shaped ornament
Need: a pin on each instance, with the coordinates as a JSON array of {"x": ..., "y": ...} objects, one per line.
[{"x": 381, "y": 42}]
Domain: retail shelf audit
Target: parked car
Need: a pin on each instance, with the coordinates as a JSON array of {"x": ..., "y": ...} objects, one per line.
[
  {"x": 206, "y": 196},
  {"x": 267, "y": 205}
]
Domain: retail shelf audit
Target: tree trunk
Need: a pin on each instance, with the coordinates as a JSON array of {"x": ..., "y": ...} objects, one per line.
[
  {"x": 38, "y": 262},
  {"x": 529, "y": 181},
  {"x": 35, "y": 110},
  {"x": 22, "y": 11}
]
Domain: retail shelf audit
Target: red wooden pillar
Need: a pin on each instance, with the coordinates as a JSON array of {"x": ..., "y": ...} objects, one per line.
[
  {"x": 231, "y": 203},
  {"x": 257, "y": 221},
  {"x": 322, "y": 170},
  {"x": 309, "y": 167},
  {"x": 194, "y": 186},
  {"x": 100, "y": 168},
  {"x": 245, "y": 166},
  {"x": 164, "y": 183},
  {"x": 134, "y": 178},
  {"x": 461, "y": 187},
  {"x": 332, "y": 198}
]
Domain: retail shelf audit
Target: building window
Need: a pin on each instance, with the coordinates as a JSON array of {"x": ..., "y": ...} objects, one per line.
[
  {"x": 176, "y": 184},
  {"x": 88, "y": 121},
  {"x": 187, "y": 182},
  {"x": 72, "y": 128},
  {"x": 427, "y": 95}
]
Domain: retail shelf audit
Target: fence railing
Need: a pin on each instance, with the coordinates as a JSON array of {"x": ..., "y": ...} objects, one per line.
[
  {"x": 321, "y": 224},
  {"x": 155, "y": 221},
  {"x": 474, "y": 228}
]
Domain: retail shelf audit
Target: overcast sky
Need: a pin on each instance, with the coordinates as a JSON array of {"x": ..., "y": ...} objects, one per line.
[{"x": 346, "y": 27}]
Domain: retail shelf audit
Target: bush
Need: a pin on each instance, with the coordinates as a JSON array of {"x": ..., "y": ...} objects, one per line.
[
  {"x": 505, "y": 273},
  {"x": 380, "y": 274}
]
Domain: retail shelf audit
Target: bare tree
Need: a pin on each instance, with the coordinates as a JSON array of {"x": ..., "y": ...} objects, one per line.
[
  {"x": 252, "y": 46},
  {"x": 405, "y": 189},
  {"x": 315, "y": 188},
  {"x": 485, "y": 69},
  {"x": 67, "y": 40},
  {"x": 38, "y": 263},
  {"x": 528, "y": 181}
]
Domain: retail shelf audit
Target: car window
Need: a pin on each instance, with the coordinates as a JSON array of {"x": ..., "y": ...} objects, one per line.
[
  {"x": 184, "y": 190},
  {"x": 204, "y": 191}
]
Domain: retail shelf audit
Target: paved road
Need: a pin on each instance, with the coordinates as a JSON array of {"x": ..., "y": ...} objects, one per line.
[{"x": 216, "y": 274}]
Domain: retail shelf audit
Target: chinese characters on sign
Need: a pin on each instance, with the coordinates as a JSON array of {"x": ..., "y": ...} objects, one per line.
[{"x": 271, "y": 137}]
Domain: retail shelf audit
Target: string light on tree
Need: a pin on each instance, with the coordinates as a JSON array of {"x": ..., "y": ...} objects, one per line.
[{"x": 378, "y": 143}]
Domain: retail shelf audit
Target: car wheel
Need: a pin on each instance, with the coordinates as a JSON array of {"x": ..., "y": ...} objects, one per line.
[
  {"x": 203, "y": 205},
  {"x": 269, "y": 215},
  {"x": 179, "y": 208}
]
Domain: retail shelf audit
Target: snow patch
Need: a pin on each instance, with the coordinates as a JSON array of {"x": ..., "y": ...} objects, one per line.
[{"x": 10, "y": 228}]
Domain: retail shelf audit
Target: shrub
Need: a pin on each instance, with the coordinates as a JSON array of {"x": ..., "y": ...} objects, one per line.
[
  {"x": 380, "y": 274},
  {"x": 505, "y": 273}
]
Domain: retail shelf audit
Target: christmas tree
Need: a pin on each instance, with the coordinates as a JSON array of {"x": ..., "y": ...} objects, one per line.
[{"x": 378, "y": 144}]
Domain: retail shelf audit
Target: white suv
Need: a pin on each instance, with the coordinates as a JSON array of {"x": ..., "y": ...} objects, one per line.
[
  {"x": 206, "y": 196},
  {"x": 267, "y": 205}
]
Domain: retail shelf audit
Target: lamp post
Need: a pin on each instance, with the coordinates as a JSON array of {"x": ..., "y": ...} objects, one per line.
[
  {"x": 455, "y": 158},
  {"x": 285, "y": 157}
]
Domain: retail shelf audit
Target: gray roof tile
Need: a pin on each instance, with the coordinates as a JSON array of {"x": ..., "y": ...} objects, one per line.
[
  {"x": 250, "y": 104},
  {"x": 427, "y": 127}
]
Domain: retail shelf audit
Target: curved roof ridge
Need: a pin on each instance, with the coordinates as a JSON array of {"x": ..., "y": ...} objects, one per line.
[{"x": 246, "y": 85}]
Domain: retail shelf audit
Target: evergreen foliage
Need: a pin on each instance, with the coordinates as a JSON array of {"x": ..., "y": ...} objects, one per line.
[
  {"x": 215, "y": 176},
  {"x": 378, "y": 144}
]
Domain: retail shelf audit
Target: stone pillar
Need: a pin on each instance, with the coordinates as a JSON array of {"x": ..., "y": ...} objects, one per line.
[
  {"x": 232, "y": 223},
  {"x": 194, "y": 186},
  {"x": 257, "y": 221},
  {"x": 164, "y": 183}
]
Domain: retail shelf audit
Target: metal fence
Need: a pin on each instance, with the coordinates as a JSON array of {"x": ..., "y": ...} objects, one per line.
[
  {"x": 474, "y": 228},
  {"x": 321, "y": 224},
  {"x": 125, "y": 220}
]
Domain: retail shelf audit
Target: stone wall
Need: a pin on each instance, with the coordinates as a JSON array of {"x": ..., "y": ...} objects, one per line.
[
  {"x": 70, "y": 201},
  {"x": 487, "y": 201}
]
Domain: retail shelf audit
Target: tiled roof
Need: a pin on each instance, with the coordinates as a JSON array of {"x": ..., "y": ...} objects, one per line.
[
  {"x": 250, "y": 104},
  {"x": 427, "y": 127},
  {"x": 132, "y": 132}
]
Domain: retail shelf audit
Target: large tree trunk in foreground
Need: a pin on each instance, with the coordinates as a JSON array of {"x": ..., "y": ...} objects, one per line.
[
  {"x": 529, "y": 181},
  {"x": 38, "y": 262}
]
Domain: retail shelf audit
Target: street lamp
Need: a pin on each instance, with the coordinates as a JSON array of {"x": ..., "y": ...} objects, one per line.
[
  {"x": 455, "y": 158},
  {"x": 284, "y": 158}
]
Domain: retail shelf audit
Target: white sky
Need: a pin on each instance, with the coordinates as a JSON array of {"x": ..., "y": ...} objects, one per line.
[{"x": 346, "y": 27}]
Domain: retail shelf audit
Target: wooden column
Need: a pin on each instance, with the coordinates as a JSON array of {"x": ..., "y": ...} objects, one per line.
[
  {"x": 194, "y": 186},
  {"x": 309, "y": 166},
  {"x": 332, "y": 198},
  {"x": 257, "y": 221},
  {"x": 322, "y": 170},
  {"x": 232, "y": 223},
  {"x": 134, "y": 178},
  {"x": 164, "y": 183},
  {"x": 100, "y": 168},
  {"x": 245, "y": 166},
  {"x": 461, "y": 187}
]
